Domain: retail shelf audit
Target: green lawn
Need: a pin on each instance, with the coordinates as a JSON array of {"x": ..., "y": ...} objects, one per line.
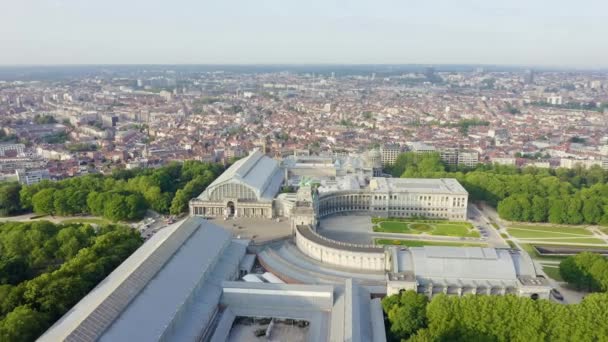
[
  {"x": 553, "y": 272},
  {"x": 394, "y": 227},
  {"x": 568, "y": 240},
  {"x": 554, "y": 234},
  {"x": 444, "y": 228},
  {"x": 529, "y": 231},
  {"x": 418, "y": 243},
  {"x": 86, "y": 220}
]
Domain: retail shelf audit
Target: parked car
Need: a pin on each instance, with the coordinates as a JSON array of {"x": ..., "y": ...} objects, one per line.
[{"x": 556, "y": 294}]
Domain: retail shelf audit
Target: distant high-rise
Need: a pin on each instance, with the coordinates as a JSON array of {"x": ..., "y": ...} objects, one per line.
[
  {"x": 529, "y": 76},
  {"x": 429, "y": 72}
]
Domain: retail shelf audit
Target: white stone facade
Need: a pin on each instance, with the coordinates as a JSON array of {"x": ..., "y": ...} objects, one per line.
[
  {"x": 399, "y": 197},
  {"x": 341, "y": 254}
]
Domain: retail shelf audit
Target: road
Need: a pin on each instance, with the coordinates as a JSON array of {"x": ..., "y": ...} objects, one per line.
[
  {"x": 570, "y": 296},
  {"x": 482, "y": 222}
]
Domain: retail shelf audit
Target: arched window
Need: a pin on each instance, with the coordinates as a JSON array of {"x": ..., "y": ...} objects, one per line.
[{"x": 232, "y": 190}]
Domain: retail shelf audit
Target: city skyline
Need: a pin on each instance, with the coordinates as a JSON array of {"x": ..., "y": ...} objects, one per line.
[{"x": 544, "y": 34}]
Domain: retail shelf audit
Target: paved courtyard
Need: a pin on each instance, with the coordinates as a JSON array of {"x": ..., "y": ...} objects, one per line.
[
  {"x": 348, "y": 228},
  {"x": 257, "y": 229},
  {"x": 358, "y": 229}
]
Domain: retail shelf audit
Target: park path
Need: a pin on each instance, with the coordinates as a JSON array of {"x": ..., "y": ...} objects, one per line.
[{"x": 54, "y": 219}]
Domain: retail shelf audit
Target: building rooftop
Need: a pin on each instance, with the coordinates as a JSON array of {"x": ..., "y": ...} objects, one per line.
[
  {"x": 256, "y": 171},
  {"x": 141, "y": 298},
  {"x": 417, "y": 185},
  {"x": 464, "y": 264}
]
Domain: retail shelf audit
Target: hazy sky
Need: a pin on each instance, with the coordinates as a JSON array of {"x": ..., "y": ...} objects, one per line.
[{"x": 514, "y": 32}]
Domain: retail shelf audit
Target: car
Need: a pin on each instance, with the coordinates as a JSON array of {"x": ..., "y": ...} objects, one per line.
[{"x": 556, "y": 294}]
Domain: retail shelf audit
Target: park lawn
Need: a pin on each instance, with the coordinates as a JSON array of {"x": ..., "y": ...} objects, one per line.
[
  {"x": 100, "y": 221},
  {"x": 456, "y": 229},
  {"x": 552, "y": 229},
  {"x": 394, "y": 227},
  {"x": 419, "y": 243},
  {"x": 567, "y": 240},
  {"x": 553, "y": 272},
  {"x": 443, "y": 228}
]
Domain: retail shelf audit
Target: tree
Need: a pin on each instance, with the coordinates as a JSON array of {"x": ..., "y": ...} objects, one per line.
[
  {"x": 44, "y": 201},
  {"x": 571, "y": 273},
  {"x": 592, "y": 210},
  {"x": 586, "y": 270},
  {"x": 510, "y": 209},
  {"x": 116, "y": 208},
  {"x": 406, "y": 312},
  {"x": 573, "y": 211},
  {"x": 22, "y": 324},
  {"x": 556, "y": 211},
  {"x": 539, "y": 209},
  {"x": 136, "y": 206},
  {"x": 51, "y": 268},
  {"x": 9, "y": 198}
]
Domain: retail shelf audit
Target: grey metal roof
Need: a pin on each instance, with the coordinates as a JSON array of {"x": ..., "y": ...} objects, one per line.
[
  {"x": 167, "y": 295},
  {"x": 257, "y": 171},
  {"x": 458, "y": 263},
  {"x": 96, "y": 311}
]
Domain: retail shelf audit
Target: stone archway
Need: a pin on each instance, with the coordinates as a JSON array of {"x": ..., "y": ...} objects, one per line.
[{"x": 230, "y": 209}]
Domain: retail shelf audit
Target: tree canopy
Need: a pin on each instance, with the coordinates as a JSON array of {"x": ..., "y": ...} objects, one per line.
[
  {"x": 46, "y": 268},
  {"x": 494, "y": 318},
  {"x": 586, "y": 271},
  {"x": 9, "y": 198},
  {"x": 560, "y": 196},
  {"x": 123, "y": 196}
]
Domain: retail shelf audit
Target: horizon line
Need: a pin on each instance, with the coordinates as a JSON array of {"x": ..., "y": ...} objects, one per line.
[{"x": 522, "y": 66}]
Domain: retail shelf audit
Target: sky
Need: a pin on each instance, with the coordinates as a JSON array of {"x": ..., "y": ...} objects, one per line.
[{"x": 556, "y": 33}]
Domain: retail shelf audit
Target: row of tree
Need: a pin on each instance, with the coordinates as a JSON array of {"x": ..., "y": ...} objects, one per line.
[
  {"x": 125, "y": 195},
  {"x": 48, "y": 268},
  {"x": 411, "y": 317},
  {"x": 573, "y": 209},
  {"x": 586, "y": 271},
  {"x": 9, "y": 198},
  {"x": 570, "y": 196}
]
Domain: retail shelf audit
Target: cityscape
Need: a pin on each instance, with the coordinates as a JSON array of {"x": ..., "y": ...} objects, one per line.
[{"x": 320, "y": 172}]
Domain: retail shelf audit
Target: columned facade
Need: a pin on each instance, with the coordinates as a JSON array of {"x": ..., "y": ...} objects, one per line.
[
  {"x": 437, "y": 206},
  {"x": 232, "y": 208}
]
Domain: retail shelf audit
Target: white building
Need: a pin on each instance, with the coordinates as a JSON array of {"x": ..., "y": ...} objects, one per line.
[
  {"x": 390, "y": 153},
  {"x": 16, "y": 149},
  {"x": 554, "y": 100},
  {"x": 48, "y": 153},
  {"x": 250, "y": 186},
  {"x": 28, "y": 177},
  {"x": 246, "y": 189},
  {"x": 586, "y": 163},
  {"x": 464, "y": 270},
  {"x": 420, "y": 147},
  {"x": 441, "y": 198},
  {"x": 454, "y": 156}
]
